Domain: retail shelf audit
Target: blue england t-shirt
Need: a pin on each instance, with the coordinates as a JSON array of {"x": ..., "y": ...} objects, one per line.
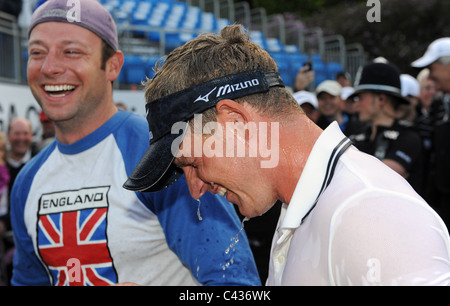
[{"x": 74, "y": 223}]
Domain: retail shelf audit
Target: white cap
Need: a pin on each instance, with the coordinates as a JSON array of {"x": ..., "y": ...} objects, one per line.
[
  {"x": 304, "y": 96},
  {"x": 346, "y": 92},
  {"x": 330, "y": 87},
  {"x": 410, "y": 86},
  {"x": 437, "y": 49}
]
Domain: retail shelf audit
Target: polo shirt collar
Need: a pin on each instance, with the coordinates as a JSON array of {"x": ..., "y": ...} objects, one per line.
[{"x": 316, "y": 175}]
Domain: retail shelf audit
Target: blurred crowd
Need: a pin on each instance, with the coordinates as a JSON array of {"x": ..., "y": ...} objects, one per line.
[{"x": 399, "y": 118}]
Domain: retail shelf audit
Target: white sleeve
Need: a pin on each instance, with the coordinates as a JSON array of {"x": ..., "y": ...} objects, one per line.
[{"x": 388, "y": 240}]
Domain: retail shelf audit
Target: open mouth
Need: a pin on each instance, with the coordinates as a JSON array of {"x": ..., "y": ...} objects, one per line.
[{"x": 58, "y": 91}]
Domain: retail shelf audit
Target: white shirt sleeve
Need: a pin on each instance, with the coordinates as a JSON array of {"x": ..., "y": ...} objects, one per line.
[{"x": 387, "y": 239}]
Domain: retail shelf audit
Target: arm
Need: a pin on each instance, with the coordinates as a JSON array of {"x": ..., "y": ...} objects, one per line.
[
  {"x": 201, "y": 244},
  {"x": 404, "y": 153},
  {"x": 27, "y": 269},
  {"x": 397, "y": 167},
  {"x": 303, "y": 78}
]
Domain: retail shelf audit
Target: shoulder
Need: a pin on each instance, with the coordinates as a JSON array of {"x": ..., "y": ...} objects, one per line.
[
  {"x": 406, "y": 134},
  {"x": 132, "y": 137},
  {"x": 407, "y": 128},
  {"x": 398, "y": 230},
  {"x": 131, "y": 122},
  {"x": 25, "y": 178},
  {"x": 132, "y": 130}
]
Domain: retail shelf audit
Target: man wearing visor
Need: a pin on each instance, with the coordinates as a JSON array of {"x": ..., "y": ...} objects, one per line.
[{"x": 347, "y": 219}]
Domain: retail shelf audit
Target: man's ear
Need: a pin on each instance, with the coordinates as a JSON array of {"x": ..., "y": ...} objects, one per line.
[
  {"x": 114, "y": 65},
  {"x": 232, "y": 111}
]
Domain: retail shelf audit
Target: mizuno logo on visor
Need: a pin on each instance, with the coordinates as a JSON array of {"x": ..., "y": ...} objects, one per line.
[
  {"x": 182, "y": 105},
  {"x": 205, "y": 98},
  {"x": 228, "y": 88}
]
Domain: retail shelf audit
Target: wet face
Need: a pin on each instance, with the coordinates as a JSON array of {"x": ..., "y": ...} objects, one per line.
[{"x": 239, "y": 178}]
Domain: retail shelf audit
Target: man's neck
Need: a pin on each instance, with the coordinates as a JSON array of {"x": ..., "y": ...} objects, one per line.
[
  {"x": 297, "y": 139},
  {"x": 71, "y": 132}
]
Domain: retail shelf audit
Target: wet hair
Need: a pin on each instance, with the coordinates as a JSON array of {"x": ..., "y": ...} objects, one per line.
[{"x": 210, "y": 56}]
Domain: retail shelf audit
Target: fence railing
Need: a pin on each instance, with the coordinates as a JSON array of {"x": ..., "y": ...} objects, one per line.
[
  {"x": 10, "y": 49},
  {"x": 309, "y": 40}
]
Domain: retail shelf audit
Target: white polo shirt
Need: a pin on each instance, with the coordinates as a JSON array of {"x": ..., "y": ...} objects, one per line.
[{"x": 367, "y": 227}]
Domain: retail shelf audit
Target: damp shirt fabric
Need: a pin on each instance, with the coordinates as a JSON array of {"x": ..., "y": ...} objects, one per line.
[
  {"x": 354, "y": 221},
  {"x": 74, "y": 223}
]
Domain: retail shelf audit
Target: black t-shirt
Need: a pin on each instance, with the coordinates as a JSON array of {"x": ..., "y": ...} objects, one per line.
[{"x": 399, "y": 142}]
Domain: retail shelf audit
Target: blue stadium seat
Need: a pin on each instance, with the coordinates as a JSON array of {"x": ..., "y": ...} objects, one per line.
[
  {"x": 258, "y": 38},
  {"x": 274, "y": 45},
  {"x": 222, "y": 22},
  {"x": 296, "y": 61},
  {"x": 134, "y": 69},
  {"x": 283, "y": 67},
  {"x": 150, "y": 65},
  {"x": 208, "y": 22},
  {"x": 177, "y": 16},
  {"x": 319, "y": 68},
  {"x": 192, "y": 18},
  {"x": 333, "y": 68}
]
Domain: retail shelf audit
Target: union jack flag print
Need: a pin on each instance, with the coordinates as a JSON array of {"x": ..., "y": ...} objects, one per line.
[{"x": 72, "y": 228}]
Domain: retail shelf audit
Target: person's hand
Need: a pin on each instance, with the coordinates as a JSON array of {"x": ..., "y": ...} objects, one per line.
[{"x": 304, "y": 78}]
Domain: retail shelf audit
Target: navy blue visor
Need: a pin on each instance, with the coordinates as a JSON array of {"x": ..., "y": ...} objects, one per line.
[{"x": 156, "y": 170}]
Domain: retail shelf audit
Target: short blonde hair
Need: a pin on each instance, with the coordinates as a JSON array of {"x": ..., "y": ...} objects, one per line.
[{"x": 210, "y": 56}]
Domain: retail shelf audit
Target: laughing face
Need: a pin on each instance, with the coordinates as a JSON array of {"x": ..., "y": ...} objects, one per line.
[
  {"x": 64, "y": 72},
  {"x": 239, "y": 178}
]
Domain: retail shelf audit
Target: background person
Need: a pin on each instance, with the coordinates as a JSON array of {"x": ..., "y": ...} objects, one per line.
[
  {"x": 308, "y": 102},
  {"x": 6, "y": 241},
  {"x": 378, "y": 100},
  {"x": 48, "y": 131},
  {"x": 437, "y": 59},
  {"x": 411, "y": 91},
  {"x": 331, "y": 108}
]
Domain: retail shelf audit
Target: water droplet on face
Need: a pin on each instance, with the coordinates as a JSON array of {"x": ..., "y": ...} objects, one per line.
[{"x": 198, "y": 210}]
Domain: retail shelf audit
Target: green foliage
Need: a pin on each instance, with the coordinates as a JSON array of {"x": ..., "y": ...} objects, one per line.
[
  {"x": 304, "y": 7},
  {"x": 406, "y": 29}
]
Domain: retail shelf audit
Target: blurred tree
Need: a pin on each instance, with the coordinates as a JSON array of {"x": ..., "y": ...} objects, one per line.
[
  {"x": 406, "y": 29},
  {"x": 304, "y": 7}
]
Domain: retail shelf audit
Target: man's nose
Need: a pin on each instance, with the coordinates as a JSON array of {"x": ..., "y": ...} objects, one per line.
[{"x": 53, "y": 65}]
